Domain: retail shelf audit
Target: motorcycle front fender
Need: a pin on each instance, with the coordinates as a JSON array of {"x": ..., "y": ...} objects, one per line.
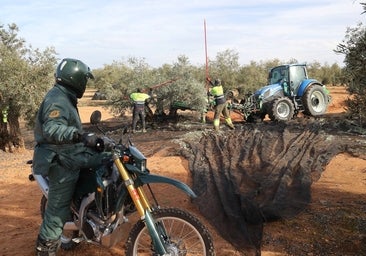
[{"x": 151, "y": 178}]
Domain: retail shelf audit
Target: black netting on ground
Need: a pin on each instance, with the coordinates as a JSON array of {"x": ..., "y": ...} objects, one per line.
[{"x": 261, "y": 173}]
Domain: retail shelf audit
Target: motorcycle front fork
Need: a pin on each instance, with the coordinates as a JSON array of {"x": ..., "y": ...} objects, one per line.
[{"x": 142, "y": 205}]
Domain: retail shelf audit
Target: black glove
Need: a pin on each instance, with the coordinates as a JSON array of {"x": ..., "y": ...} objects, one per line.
[
  {"x": 99, "y": 145},
  {"x": 92, "y": 141},
  {"x": 88, "y": 139}
]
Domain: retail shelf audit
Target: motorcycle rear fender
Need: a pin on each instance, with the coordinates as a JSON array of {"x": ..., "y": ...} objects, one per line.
[{"x": 151, "y": 178}]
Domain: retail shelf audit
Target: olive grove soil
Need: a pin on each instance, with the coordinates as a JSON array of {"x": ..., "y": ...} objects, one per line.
[{"x": 334, "y": 223}]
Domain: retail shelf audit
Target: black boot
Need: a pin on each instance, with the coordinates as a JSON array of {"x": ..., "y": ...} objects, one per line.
[{"x": 46, "y": 247}]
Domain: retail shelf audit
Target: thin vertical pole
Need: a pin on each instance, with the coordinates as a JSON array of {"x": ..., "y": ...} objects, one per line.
[{"x": 206, "y": 53}]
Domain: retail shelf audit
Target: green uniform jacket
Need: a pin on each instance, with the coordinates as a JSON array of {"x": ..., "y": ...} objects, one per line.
[{"x": 57, "y": 125}]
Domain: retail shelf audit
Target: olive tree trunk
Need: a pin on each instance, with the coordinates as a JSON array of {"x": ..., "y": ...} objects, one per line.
[{"x": 10, "y": 132}]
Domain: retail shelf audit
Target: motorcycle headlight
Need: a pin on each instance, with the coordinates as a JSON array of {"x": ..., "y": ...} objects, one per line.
[
  {"x": 139, "y": 159},
  {"x": 142, "y": 165}
]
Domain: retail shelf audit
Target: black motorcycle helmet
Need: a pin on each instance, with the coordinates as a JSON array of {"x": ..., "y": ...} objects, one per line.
[{"x": 73, "y": 74}]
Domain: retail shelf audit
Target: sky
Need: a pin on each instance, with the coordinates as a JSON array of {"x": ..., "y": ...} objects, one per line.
[{"x": 158, "y": 31}]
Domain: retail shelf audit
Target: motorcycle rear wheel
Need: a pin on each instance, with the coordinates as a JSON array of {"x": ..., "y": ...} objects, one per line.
[
  {"x": 66, "y": 238},
  {"x": 186, "y": 235}
]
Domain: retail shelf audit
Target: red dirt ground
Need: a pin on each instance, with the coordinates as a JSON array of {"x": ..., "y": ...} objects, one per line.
[{"x": 342, "y": 183}]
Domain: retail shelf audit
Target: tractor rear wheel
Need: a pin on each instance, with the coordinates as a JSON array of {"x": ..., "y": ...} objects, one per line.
[
  {"x": 282, "y": 110},
  {"x": 315, "y": 100}
]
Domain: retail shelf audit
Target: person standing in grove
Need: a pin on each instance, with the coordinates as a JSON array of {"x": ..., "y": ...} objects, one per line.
[
  {"x": 139, "y": 100},
  {"x": 220, "y": 104}
]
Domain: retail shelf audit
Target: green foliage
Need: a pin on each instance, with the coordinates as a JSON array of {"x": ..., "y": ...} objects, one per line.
[
  {"x": 120, "y": 79},
  {"x": 226, "y": 67},
  {"x": 328, "y": 75},
  {"x": 126, "y": 77},
  {"x": 187, "y": 88},
  {"x": 252, "y": 77},
  {"x": 26, "y": 74},
  {"x": 354, "y": 48}
]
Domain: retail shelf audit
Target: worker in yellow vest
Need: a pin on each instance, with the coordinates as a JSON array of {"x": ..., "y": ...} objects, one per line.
[
  {"x": 220, "y": 104},
  {"x": 139, "y": 99},
  {"x": 4, "y": 113}
]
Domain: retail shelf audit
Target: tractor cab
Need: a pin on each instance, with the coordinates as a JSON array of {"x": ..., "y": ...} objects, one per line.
[{"x": 289, "y": 77}]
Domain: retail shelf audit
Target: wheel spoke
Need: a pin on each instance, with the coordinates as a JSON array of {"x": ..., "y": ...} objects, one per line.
[{"x": 185, "y": 235}]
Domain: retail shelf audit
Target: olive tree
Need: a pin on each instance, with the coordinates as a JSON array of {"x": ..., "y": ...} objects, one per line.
[
  {"x": 120, "y": 79},
  {"x": 186, "y": 92},
  {"x": 252, "y": 76},
  {"x": 354, "y": 48},
  {"x": 226, "y": 67},
  {"x": 170, "y": 85},
  {"x": 26, "y": 74}
]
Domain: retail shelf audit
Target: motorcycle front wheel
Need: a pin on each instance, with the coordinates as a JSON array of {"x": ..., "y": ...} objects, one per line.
[{"x": 184, "y": 235}]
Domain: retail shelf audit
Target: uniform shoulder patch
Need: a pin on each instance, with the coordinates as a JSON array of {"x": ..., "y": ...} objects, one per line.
[{"x": 54, "y": 114}]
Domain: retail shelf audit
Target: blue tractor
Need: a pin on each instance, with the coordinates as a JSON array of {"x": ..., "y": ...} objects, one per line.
[{"x": 289, "y": 92}]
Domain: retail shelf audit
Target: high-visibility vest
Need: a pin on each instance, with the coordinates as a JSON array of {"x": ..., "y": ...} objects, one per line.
[
  {"x": 4, "y": 112},
  {"x": 139, "y": 97},
  {"x": 218, "y": 93}
]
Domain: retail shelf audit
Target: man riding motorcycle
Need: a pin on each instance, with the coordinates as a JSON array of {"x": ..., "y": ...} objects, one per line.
[{"x": 61, "y": 149}]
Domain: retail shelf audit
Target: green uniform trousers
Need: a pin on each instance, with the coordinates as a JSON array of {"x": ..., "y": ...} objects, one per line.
[{"x": 62, "y": 181}]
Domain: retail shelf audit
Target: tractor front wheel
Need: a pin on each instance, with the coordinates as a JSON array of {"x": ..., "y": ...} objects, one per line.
[{"x": 282, "y": 110}]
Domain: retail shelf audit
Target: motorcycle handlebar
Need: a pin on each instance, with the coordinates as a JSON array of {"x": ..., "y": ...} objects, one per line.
[{"x": 109, "y": 144}]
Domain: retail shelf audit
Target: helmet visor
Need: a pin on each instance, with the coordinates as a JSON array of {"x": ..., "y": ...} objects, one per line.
[{"x": 89, "y": 74}]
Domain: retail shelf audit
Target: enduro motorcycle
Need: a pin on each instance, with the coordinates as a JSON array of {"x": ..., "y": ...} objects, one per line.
[{"x": 105, "y": 199}]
